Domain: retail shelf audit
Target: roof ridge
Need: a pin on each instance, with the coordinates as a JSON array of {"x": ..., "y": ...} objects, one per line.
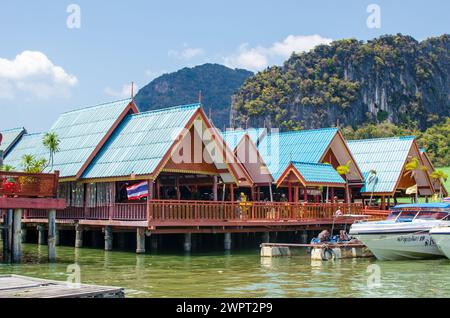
[
  {"x": 35, "y": 133},
  {"x": 382, "y": 139},
  {"x": 311, "y": 163},
  {"x": 12, "y": 129},
  {"x": 172, "y": 108},
  {"x": 306, "y": 131},
  {"x": 98, "y": 105}
]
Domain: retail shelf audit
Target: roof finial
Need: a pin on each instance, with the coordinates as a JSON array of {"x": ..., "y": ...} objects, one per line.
[
  {"x": 132, "y": 90},
  {"x": 200, "y": 97}
]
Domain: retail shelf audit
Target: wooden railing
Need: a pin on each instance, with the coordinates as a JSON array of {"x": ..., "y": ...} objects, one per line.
[
  {"x": 162, "y": 210},
  {"x": 210, "y": 211},
  {"x": 20, "y": 184}
]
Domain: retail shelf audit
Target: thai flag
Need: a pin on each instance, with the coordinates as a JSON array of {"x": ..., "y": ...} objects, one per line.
[
  {"x": 446, "y": 200},
  {"x": 137, "y": 191}
]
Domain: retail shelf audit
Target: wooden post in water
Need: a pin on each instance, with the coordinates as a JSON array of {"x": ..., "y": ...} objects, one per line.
[
  {"x": 187, "y": 242},
  {"x": 78, "y": 236},
  {"x": 57, "y": 237},
  {"x": 24, "y": 235},
  {"x": 17, "y": 236},
  {"x": 266, "y": 237},
  {"x": 51, "y": 240},
  {"x": 41, "y": 234},
  {"x": 227, "y": 242},
  {"x": 140, "y": 240},
  {"x": 108, "y": 238},
  {"x": 153, "y": 242},
  {"x": 7, "y": 235}
]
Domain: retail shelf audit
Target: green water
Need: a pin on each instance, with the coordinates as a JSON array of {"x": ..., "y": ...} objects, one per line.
[{"x": 237, "y": 274}]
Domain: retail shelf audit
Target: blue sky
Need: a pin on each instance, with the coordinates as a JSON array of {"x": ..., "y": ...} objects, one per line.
[{"x": 47, "y": 68}]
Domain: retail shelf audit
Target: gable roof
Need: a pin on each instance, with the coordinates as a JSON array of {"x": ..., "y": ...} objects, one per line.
[
  {"x": 233, "y": 137},
  {"x": 140, "y": 142},
  {"x": 248, "y": 156},
  {"x": 437, "y": 184},
  {"x": 144, "y": 143},
  {"x": 278, "y": 150},
  {"x": 9, "y": 137},
  {"x": 81, "y": 132},
  {"x": 313, "y": 173},
  {"x": 29, "y": 144},
  {"x": 387, "y": 156}
]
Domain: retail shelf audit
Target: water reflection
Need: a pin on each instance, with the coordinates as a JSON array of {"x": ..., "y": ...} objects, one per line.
[{"x": 237, "y": 274}]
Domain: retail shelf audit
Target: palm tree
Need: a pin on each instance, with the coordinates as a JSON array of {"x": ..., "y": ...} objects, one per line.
[
  {"x": 7, "y": 168},
  {"x": 411, "y": 170},
  {"x": 373, "y": 178},
  {"x": 441, "y": 176},
  {"x": 51, "y": 142},
  {"x": 32, "y": 165},
  {"x": 343, "y": 171}
]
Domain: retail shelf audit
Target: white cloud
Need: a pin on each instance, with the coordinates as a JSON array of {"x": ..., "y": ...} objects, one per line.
[
  {"x": 123, "y": 92},
  {"x": 32, "y": 72},
  {"x": 249, "y": 58},
  {"x": 257, "y": 58},
  {"x": 187, "y": 53}
]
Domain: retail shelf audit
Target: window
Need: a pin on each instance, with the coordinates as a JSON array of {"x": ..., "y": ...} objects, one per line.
[
  {"x": 406, "y": 216},
  {"x": 393, "y": 215},
  {"x": 431, "y": 215}
]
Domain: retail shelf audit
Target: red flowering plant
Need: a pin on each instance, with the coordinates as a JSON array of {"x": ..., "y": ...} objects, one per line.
[{"x": 10, "y": 185}]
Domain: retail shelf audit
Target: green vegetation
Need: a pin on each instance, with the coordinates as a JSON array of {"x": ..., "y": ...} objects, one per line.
[
  {"x": 393, "y": 79},
  {"x": 216, "y": 82},
  {"x": 32, "y": 165},
  {"x": 51, "y": 142},
  {"x": 435, "y": 140},
  {"x": 447, "y": 183}
]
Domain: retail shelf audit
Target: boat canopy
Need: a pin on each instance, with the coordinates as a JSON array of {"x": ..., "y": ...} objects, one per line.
[{"x": 423, "y": 206}]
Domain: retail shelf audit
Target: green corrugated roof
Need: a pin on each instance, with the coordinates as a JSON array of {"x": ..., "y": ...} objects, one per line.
[
  {"x": 140, "y": 142},
  {"x": 29, "y": 144},
  {"x": 386, "y": 156},
  {"x": 233, "y": 137},
  {"x": 279, "y": 149},
  {"x": 80, "y": 131},
  {"x": 10, "y": 137},
  {"x": 318, "y": 173}
]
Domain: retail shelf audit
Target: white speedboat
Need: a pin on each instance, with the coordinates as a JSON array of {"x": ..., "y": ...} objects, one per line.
[
  {"x": 405, "y": 234},
  {"x": 441, "y": 235}
]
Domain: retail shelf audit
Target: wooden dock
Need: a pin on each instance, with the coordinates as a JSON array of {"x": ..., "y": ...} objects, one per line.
[{"x": 15, "y": 286}]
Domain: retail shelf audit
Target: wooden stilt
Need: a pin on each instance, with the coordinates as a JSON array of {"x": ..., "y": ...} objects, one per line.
[
  {"x": 41, "y": 234},
  {"x": 108, "y": 238},
  {"x": 140, "y": 240},
  {"x": 227, "y": 241},
  {"x": 78, "y": 236},
  {"x": 187, "y": 242},
  {"x": 17, "y": 236},
  {"x": 51, "y": 243}
]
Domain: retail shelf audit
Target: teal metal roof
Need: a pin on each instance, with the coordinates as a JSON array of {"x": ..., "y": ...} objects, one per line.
[
  {"x": 318, "y": 172},
  {"x": 140, "y": 142},
  {"x": 29, "y": 144},
  {"x": 10, "y": 137},
  {"x": 80, "y": 131},
  {"x": 386, "y": 156},
  {"x": 233, "y": 137},
  {"x": 279, "y": 149}
]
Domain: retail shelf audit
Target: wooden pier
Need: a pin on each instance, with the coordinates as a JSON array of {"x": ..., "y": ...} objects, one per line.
[{"x": 15, "y": 286}]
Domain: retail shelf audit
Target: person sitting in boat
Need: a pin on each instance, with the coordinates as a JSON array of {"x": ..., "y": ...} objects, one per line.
[
  {"x": 324, "y": 236},
  {"x": 343, "y": 236}
]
